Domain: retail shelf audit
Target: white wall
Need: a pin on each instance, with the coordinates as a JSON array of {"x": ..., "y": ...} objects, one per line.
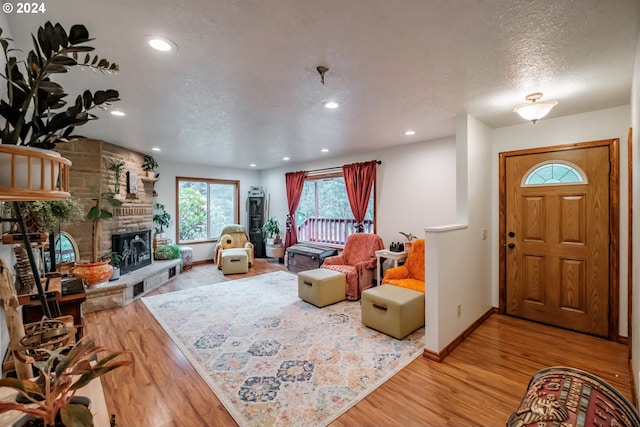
[
  {"x": 635, "y": 319},
  {"x": 458, "y": 259},
  {"x": 167, "y": 195},
  {"x": 415, "y": 186},
  {"x": 592, "y": 126}
]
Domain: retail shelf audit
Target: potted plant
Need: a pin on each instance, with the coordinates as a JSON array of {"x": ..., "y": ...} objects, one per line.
[
  {"x": 273, "y": 246},
  {"x": 114, "y": 259},
  {"x": 48, "y": 214},
  {"x": 35, "y": 109},
  {"x": 96, "y": 271},
  {"x": 409, "y": 237},
  {"x": 162, "y": 219},
  {"x": 149, "y": 165},
  {"x": 116, "y": 166},
  {"x": 61, "y": 376},
  {"x": 272, "y": 229}
]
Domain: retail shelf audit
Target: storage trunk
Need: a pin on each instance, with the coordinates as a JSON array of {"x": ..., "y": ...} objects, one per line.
[{"x": 307, "y": 257}]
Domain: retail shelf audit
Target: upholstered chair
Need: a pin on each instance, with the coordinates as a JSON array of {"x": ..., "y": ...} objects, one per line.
[
  {"x": 233, "y": 236},
  {"x": 357, "y": 262},
  {"x": 411, "y": 274}
]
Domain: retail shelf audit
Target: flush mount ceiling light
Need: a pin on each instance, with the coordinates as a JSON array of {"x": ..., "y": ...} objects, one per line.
[
  {"x": 161, "y": 44},
  {"x": 535, "y": 110}
]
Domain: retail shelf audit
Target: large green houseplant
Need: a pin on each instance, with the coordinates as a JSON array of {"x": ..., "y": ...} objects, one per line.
[
  {"x": 97, "y": 213},
  {"x": 98, "y": 269},
  {"x": 35, "y": 109},
  {"x": 162, "y": 218}
]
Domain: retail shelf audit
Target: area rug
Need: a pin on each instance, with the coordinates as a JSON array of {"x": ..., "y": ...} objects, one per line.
[{"x": 273, "y": 359}]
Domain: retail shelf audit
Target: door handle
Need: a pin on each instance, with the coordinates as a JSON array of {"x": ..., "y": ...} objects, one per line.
[
  {"x": 511, "y": 245},
  {"x": 512, "y": 234}
]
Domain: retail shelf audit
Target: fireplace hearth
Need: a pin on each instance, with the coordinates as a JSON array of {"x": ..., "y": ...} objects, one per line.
[{"x": 134, "y": 248}]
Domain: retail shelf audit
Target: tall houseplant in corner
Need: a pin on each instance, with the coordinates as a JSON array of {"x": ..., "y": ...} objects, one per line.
[{"x": 98, "y": 270}]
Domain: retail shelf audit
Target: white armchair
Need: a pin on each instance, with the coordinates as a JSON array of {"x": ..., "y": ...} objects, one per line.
[{"x": 233, "y": 236}]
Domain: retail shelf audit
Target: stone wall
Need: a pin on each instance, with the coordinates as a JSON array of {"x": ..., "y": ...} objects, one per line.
[{"x": 90, "y": 171}]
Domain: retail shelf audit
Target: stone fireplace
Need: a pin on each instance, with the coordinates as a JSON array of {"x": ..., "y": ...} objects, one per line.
[
  {"x": 90, "y": 170},
  {"x": 134, "y": 248}
]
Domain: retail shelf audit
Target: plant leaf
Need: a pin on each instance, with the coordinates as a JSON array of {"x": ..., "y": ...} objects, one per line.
[
  {"x": 62, "y": 36},
  {"x": 76, "y": 415},
  {"x": 55, "y": 68},
  {"x": 78, "y": 34},
  {"x": 88, "y": 99},
  {"x": 64, "y": 60},
  {"x": 25, "y": 386},
  {"x": 94, "y": 213},
  {"x": 75, "y": 49},
  {"x": 51, "y": 87}
]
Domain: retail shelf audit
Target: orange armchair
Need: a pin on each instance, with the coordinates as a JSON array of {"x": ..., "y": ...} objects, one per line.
[
  {"x": 411, "y": 274},
  {"x": 357, "y": 262}
]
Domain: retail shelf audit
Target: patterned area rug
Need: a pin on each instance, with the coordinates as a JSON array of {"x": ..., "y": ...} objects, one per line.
[{"x": 273, "y": 359}]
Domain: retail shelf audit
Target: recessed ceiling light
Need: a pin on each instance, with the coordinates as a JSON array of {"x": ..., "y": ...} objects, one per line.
[
  {"x": 410, "y": 132},
  {"x": 161, "y": 44},
  {"x": 117, "y": 113},
  {"x": 253, "y": 165},
  {"x": 155, "y": 149},
  {"x": 325, "y": 150},
  {"x": 331, "y": 105},
  {"x": 286, "y": 158}
]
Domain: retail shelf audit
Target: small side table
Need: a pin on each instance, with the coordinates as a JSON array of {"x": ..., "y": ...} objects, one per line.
[{"x": 382, "y": 256}]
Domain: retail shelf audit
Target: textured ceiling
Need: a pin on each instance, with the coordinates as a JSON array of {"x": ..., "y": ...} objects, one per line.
[{"x": 243, "y": 87}]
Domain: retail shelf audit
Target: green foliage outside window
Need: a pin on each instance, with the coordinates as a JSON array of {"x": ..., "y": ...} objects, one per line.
[
  {"x": 193, "y": 215},
  {"x": 205, "y": 207}
]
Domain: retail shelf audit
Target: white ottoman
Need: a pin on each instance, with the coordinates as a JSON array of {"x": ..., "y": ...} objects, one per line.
[
  {"x": 393, "y": 310},
  {"x": 321, "y": 286},
  {"x": 234, "y": 261}
]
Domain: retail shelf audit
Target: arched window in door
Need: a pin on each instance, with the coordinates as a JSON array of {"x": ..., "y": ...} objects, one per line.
[{"x": 554, "y": 173}]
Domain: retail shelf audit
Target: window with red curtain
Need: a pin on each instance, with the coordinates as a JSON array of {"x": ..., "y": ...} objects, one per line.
[{"x": 324, "y": 214}]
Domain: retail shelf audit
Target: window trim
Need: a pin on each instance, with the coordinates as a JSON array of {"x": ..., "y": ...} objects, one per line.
[{"x": 233, "y": 182}]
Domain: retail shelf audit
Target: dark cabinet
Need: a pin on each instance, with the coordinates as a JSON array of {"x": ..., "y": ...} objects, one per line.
[{"x": 255, "y": 208}]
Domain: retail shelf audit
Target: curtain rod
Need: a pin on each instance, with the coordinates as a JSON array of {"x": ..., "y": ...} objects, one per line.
[{"x": 336, "y": 168}]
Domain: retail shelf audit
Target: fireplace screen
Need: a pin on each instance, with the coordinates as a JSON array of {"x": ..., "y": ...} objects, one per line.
[{"x": 134, "y": 248}]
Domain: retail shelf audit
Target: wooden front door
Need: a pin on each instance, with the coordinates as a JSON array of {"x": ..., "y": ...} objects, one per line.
[{"x": 557, "y": 238}]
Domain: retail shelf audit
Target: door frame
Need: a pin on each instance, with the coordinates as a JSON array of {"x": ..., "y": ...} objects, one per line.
[{"x": 614, "y": 224}]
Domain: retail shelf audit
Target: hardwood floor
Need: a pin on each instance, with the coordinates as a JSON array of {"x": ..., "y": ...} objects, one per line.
[{"x": 479, "y": 384}]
